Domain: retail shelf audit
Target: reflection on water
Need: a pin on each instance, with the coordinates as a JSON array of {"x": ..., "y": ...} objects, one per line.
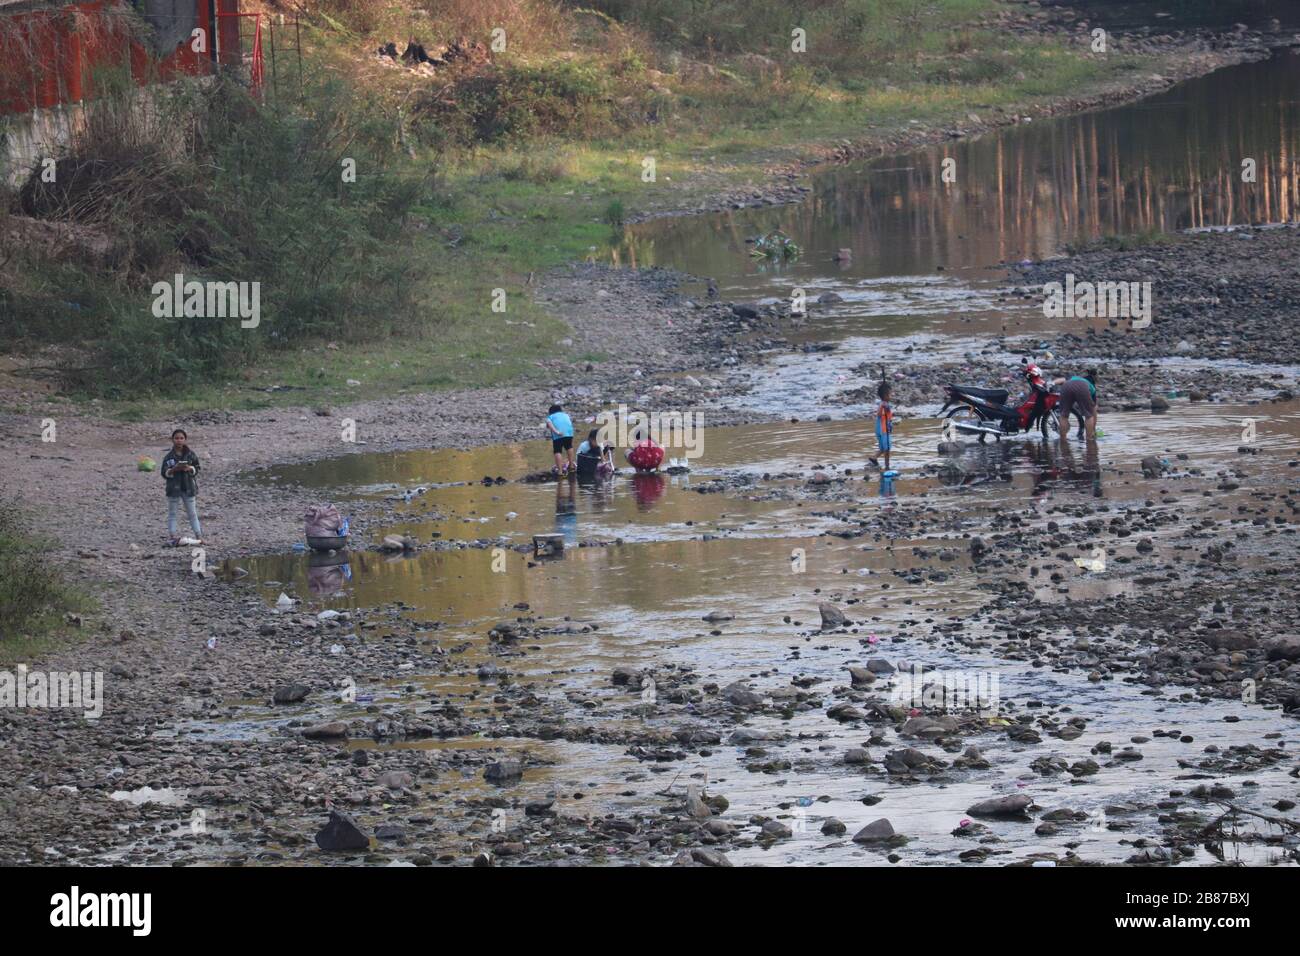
[
  {"x": 665, "y": 555},
  {"x": 1180, "y": 14},
  {"x": 763, "y": 558},
  {"x": 1168, "y": 162},
  {"x": 664, "y": 544}
]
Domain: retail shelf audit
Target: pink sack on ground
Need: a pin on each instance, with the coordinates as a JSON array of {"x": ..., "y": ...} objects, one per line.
[{"x": 323, "y": 521}]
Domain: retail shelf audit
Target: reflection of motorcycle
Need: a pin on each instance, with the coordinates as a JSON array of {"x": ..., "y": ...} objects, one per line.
[
  {"x": 1052, "y": 467},
  {"x": 984, "y": 411}
]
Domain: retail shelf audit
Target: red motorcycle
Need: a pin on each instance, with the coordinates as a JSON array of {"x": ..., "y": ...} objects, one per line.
[{"x": 985, "y": 412}]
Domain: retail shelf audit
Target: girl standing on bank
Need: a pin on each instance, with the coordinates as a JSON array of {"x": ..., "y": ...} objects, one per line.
[{"x": 180, "y": 469}]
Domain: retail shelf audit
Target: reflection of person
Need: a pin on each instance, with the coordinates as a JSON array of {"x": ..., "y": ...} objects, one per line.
[
  {"x": 1060, "y": 465},
  {"x": 648, "y": 488},
  {"x": 560, "y": 428},
  {"x": 1079, "y": 395},
  {"x": 180, "y": 467},
  {"x": 566, "y": 513}
]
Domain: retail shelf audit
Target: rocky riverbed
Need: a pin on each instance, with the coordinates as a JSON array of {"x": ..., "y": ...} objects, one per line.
[{"x": 722, "y": 668}]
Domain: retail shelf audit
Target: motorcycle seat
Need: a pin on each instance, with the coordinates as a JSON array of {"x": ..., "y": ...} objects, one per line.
[{"x": 998, "y": 396}]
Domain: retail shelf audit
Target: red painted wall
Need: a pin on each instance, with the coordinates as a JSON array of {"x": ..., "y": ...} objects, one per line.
[{"x": 50, "y": 54}]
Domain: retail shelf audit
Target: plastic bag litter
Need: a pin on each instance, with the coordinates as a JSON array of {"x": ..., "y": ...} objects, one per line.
[{"x": 775, "y": 245}]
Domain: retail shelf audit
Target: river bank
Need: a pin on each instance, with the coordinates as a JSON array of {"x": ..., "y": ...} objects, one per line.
[{"x": 194, "y": 663}]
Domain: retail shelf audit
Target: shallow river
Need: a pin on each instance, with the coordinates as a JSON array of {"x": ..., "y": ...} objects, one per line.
[{"x": 664, "y": 555}]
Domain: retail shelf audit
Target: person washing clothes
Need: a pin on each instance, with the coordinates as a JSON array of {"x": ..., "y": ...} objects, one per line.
[
  {"x": 1079, "y": 395},
  {"x": 180, "y": 468},
  {"x": 595, "y": 461}
]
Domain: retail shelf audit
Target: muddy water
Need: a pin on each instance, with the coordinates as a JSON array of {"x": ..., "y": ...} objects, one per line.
[
  {"x": 928, "y": 258},
  {"x": 1169, "y": 162},
  {"x": 662, "y": 559},
  {"x": 649, "y": 557}
]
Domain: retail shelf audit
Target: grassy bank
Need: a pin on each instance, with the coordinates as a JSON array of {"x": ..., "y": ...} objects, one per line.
[
  {"x": 474, "y": 175},
  {"x": 34, "y": 599}
]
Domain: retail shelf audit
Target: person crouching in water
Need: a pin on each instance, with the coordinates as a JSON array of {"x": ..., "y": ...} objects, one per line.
[
  {"x": 1078, "y": 395},
  {"x": 595, "y": 461},
  {"x": 560, "y": 427},
  {"x": 646, "y": 455},
  {"x": 180, "y": 467},
  {"x": 884, "y": 425}
]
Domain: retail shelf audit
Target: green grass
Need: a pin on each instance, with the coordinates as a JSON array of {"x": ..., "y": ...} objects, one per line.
[
  {"x": 1121, "y": 242},
  {"x": 34, "y": 599},
  {"x": 540, "y": 195}
]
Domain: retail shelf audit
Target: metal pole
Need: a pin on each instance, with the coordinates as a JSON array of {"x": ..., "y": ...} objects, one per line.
[{"x": 275, "y": 80}]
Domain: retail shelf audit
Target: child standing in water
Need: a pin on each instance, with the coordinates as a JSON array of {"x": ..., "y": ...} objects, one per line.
[
  {"x": 560, "y": 428},
  {"x": 180, "y": 468},
  {"x": 884, "y": 427}
]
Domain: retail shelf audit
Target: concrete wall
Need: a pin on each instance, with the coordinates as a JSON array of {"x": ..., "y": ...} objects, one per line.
[{"x": 29, "y": 138}]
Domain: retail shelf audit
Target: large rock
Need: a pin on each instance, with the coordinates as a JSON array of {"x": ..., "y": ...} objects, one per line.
[
  {"x": 707, "y": 857},
  {"x": 928, "y": 727},
  {"x": 741, "y": 696},
  {"x": 877, "y": 831},
  {"x": 1284, "y": 649},
  {"x": 1015, "y": 805},
  {"x": 1222, "y": 640},
  {"x": 845, "y": 713},
  {"x": 504, "y": 772},
  {"x": 342, "y": 833},
  {"x": 396, "y": 780},
  {"x": 832, "y": 617},
  {"x": 331, "y": 731},
  {"x": 695, "y": 804},
  {"x": 861, "y": 677},
  {"x": 1152, "y": 467},
  {"x": 290, "y": 693}
]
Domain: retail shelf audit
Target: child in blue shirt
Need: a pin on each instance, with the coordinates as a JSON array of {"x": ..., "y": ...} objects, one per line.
[{"x": 560, "y": 429}]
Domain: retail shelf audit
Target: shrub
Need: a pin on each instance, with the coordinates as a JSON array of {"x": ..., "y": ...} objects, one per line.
[
  {"x": 210, "y": 184},
  {"x": 514, "y": 102},
  {"x": 29, "y": 587}
]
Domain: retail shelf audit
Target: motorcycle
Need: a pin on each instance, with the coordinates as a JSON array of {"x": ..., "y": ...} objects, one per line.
[{"x": 985, "y": 412}]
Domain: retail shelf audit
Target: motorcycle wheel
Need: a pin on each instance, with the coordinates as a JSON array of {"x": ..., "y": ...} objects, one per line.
[
  {"x": 967, "y": 415},
  {"x": 1050, "y": 424}
]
